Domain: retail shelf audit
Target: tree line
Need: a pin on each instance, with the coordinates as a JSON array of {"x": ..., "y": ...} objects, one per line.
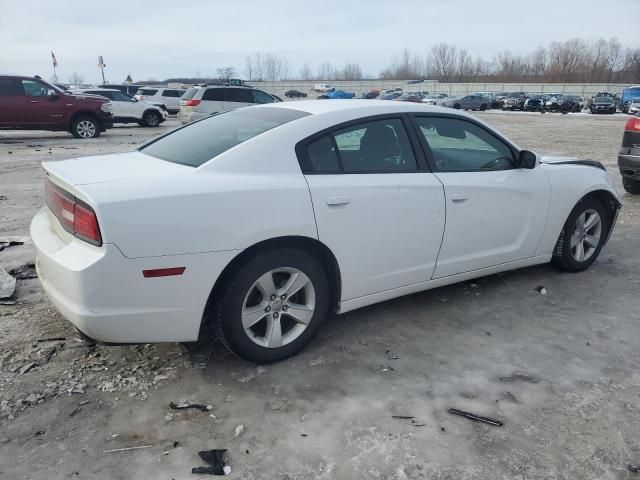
[{"x": 571, "y": 61}]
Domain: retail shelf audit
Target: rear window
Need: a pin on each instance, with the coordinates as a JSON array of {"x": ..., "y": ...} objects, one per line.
[
  {"x": 147, "y": 91},
  {"x": 201, "y": 141},
  {"x": 190, "y": 93}
]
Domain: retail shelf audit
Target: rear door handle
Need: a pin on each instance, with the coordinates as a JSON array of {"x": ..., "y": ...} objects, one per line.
[
  {"x": 339, "y": 200},
  {"x": 459, "y": 197}
]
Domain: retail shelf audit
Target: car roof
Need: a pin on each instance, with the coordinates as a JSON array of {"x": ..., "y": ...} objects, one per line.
[{"x": 359, "y": 107}]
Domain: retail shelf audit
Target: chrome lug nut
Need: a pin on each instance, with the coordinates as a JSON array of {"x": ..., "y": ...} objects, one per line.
[
  {"x": 273, "y": 297},
  {"x": 267, "y": 309},
  {"x": 275, "y": 315}
]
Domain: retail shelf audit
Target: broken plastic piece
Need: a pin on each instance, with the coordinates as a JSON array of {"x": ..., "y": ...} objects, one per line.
[
  {"x": 475, "y": 418},
  {"x": 183, "y": 406},
  {"x": 633, "y": 468},
  {"x": 541, "y": 290},
  {"x": 216, "y": 462}
]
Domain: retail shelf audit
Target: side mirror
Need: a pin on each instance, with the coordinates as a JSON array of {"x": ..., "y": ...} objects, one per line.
[
  {"x": 52, "y": 94},
  {"x": 527, "y": 159}
]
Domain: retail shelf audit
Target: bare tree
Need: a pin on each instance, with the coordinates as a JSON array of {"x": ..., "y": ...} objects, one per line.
[
  {"x": 249, "y": 70},
  {"x": 326, "y": 71},
  {"x": 225, "y": 73},
  {"x": 351, "y": 71},
  {"x": 75, "y": 79},
  {"x": 305, "y": 72},
  {"x": 464, "y": 66},
  {"x": 442, "y": 61}
]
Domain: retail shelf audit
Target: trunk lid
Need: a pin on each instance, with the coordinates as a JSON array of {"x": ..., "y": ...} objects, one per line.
[{"x": 112, "y": 168}]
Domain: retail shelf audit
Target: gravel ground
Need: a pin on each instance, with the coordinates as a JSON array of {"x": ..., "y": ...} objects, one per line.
[{"x": 560, "y": 370}]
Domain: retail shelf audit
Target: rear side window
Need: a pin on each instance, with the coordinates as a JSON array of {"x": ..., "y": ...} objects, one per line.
[
  {"x": 372, "y": 147},
  {"x": 242, "y": 95},
  {"x": 201, "y": 141},
  {"x": 147, "y": 91},
  {"x": 213, "y": 94},
  {"x": 8, "y": 86},
  {"x": 172, "y": 93}
]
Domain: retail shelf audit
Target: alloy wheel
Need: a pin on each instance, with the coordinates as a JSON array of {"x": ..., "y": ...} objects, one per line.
[
  {"x": 86, "y": 129},
  {"x": 278, "y": 307},
  {"x": 586, "y": 235}
]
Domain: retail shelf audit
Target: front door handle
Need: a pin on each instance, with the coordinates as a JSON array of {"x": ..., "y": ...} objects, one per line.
[
  {"x": 33, "y": 101},
  {"x": 459, "y": 197},
  {"x": 338, "y": 200}
]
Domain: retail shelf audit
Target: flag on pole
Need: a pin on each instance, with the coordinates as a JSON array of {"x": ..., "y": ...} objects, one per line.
[
  {"x": 101, "y": 62},
  {"x": 53, "y": 59}
]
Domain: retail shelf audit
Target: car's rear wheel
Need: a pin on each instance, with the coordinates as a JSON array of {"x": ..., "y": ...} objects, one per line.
[
  {"x": 151, "y": 119},
  {"x": 85, "y": 127},
  {"x": 483, "y": 107},
  {"x": 272, "y": 306},
  {"x": 457, "y": 106},
  {"x": 582, "y": 236},
  {"x": 631, "y": 185}
]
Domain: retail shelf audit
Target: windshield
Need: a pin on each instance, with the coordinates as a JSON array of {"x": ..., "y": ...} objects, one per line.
[
  {"x": 603, "y": 99},
  {"x": 201, "y": 141}
]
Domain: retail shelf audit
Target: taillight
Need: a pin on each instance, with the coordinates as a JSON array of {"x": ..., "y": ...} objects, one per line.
[
  {"x": 190, "y": 103},
  {"x": 75, "y": 216},
  {"x": 632, "y": 125}
]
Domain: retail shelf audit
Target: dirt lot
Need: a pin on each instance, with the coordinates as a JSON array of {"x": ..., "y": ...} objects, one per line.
[{"x": 561, "y": 370}]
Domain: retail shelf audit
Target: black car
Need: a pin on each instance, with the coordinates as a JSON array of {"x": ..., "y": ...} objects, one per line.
[
  {"x": 295, "y": 94},
  {"x": 514, "y": 101},
  {"x": 370, "y": 94},
  {"x": 535, "y": 103},
  {"x": 603, "y": 104},
  {"x": 629, "y": 156}
]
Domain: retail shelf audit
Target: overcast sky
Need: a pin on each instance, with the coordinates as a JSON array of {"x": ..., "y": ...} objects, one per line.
[{"x": 159, "y": 39}]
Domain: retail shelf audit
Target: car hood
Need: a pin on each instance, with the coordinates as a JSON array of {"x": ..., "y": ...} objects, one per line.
[
  {"x": 112, "y": 168},
  {"x": 87, "y": 96}
]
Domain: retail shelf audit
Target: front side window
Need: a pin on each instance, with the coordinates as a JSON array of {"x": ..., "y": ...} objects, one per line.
[
  {"x": 461, "y": 146},
  {"x": 261, "y": 97},
  {"x": 201, "y": 141},
  {"x": 102, "y": 94},
  {"x": 370, "y": 147},
  {"x": 240, "y": 95},
  {"x": 120, "y": 97},
  {"x": 34, "y": 89},
  {"x": 147, "y": 91}
]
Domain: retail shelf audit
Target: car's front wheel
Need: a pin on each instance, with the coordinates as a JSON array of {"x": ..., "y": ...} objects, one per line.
[
  {"x": 272, "y": 306},
  {"x": 85, "y": 127},
  {"x": 151, "y": 119},
  {"x": 582, "y": 236},
  {"x": 631, "y": 185}
]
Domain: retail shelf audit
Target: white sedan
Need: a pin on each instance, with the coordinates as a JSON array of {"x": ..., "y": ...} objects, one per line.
[{"x": 255, "y": 224}]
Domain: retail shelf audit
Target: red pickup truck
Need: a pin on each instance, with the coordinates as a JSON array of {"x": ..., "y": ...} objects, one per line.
[{"x": 30, "y": 103}]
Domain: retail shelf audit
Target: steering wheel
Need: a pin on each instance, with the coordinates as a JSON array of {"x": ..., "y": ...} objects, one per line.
[
  {"x": 441, "y": 162},
  {"x": 493, "y": 163}
]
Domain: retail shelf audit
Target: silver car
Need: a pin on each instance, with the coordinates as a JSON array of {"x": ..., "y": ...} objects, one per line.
[
  {"x": 204, "y": 100},
  {"x": 467, "y": 102}
]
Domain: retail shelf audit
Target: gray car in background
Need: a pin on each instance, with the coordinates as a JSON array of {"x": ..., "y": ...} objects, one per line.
[{"x": 467, "y": 102}]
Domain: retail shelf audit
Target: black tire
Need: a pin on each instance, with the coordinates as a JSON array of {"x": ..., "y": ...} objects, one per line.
[
  {"x": 226, "y": 318},
  {"x": 85, "y": 127},
  {"x": 631, "y": 185},
  {"x": 457, "y": 106},
  {"x": 483, "y": 107},
  {"x": 563, "y": 257},
  {"x": 151, "y": 118}
]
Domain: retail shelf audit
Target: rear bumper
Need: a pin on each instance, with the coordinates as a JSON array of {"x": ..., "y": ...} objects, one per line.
[
  {"x": 629, "y": 165},
  {"x": 105, "y": 296},
  {"x": 186, "y": 116}
]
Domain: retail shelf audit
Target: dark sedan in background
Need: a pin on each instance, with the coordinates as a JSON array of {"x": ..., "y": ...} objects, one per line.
[{"x": 603, "y": 105}]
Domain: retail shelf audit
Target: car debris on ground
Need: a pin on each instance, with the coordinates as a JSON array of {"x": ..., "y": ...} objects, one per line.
[
  {"x": 185, "y": 405},
  {"x": 216, "y": 462},
  {"x": 475, "y": 418},
  {"x": 7, "y": 284}
]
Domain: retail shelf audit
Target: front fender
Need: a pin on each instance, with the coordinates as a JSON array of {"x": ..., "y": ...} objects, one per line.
[{"x": 570, "y": 182}]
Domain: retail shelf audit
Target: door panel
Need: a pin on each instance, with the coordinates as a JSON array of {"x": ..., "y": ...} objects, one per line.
[
  {"x": 384, "y": 229},
  {"x": 492, "y": 218}
]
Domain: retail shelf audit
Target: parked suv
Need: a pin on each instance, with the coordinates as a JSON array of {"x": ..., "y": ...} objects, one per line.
[
  {"x": 30, "y": 103},
  {"x": 629, "y": 156},
  {"x": 167, "y": 97},
  {"x": 127, "y": 109},
  {"x": 202, "y": 101}
]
